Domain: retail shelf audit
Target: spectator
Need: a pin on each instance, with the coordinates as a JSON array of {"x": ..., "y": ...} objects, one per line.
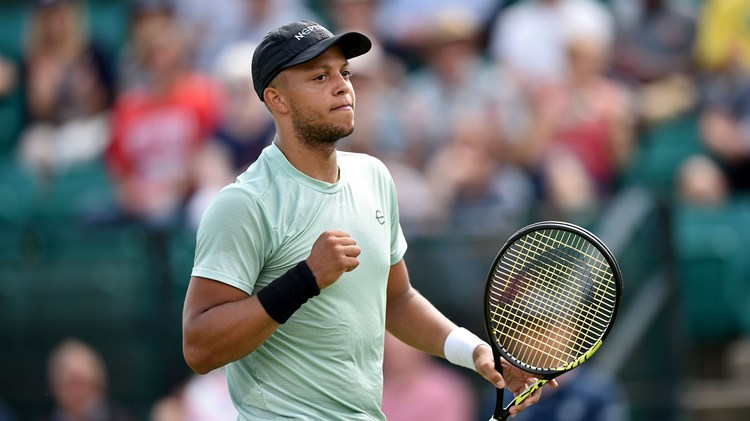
[
  {"x": 547, "y": 25},
  {"x": 453, "y": 76},
  {"x": 724, "y": 123},
  {"x": 457, "y": 115},
  {"x": 157, "y": 130},
  {"x": 724, "y": 112},
  {"x": 417, "y": 388},
  {"x": 723, "y": 38},
  {"x": 69, "y": 90},
  {"x": 78, "y": 380},
  {"x": 653, "y": 55},
  {"x": 582, "y": 135},
  {"x": 471, "y": 179},
  {"x": 145, "y": 17}
]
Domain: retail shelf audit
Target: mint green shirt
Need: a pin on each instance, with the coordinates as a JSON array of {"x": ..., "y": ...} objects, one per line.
[{"x": 325, "y": 362}]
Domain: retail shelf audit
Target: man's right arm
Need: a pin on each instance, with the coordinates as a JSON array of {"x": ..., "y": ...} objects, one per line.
[{"x": 221, "y": 324}]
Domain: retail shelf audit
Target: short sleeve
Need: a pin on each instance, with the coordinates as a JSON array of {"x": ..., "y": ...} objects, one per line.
[{"x": 232, "y": 239}]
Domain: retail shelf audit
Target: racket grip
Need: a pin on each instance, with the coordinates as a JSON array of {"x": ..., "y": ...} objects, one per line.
[{"x": 501, "y": 414}]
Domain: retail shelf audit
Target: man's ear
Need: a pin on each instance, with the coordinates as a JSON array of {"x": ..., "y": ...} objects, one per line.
[{"x": 275, "y": 100}]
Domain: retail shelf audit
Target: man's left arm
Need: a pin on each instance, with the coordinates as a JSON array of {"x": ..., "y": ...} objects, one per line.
[{"x": 415, "y": 321}]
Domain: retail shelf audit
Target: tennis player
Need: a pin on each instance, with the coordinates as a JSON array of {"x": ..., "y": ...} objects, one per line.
[{"x": 299, "y": 263}]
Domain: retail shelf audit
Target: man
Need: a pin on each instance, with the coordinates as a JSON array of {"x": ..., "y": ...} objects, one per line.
[
  {"x": 298, "y": 268},
  {"x": 78, "y": 382}
]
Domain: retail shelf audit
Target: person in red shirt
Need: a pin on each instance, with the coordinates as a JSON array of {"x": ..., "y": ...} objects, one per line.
[{"x": 158, "y": 128}]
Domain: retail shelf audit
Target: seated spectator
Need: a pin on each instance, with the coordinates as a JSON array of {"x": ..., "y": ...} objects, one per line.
[
  {"x": 78, "y": 381},
  {"x": 546, "y": 25},
  {"x": 723, "y": 39},
  {"x": 418, "y": 388},
  {"x": 724, "y": 119},
  {"x": 653, "y": 56},
  {"x": 456, "y": 115},
  {"x": 157, "y": 130},
  {"x": 454, "y": 75},
  {"x": 471, "y": 179},
  {"x": 69, "y": 90},
  {"x": 723, "y": 44},
  {"x": 584, "y": 121},
  {"x": 145, "y": 16}
]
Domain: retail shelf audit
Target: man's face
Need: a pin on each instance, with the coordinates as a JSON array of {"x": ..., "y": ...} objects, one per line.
[{"x": 321, "y": 98}]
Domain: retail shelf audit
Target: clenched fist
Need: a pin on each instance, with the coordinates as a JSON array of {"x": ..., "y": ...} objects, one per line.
[{"x": 332, "y": 254}]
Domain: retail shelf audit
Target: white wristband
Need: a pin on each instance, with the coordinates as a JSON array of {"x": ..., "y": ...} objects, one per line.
[{"x": 459, "y": 347}]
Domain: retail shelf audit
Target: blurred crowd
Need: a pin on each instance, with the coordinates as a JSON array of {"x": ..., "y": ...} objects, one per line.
[
  {"x": 486, "y": 112},
  {"x": 483, "y": 110}
]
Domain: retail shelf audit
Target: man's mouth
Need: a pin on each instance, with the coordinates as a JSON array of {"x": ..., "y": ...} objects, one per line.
[{"x": 343, "y": 107}]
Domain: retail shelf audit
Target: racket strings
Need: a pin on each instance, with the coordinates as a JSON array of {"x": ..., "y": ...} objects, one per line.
[
  {"x": 546, "y": 275},
  {"x": 554, "y": 349},
  {"x": 552, "y": 298},
  {"x": 568, "y": 329},
  {"x": 567, "y": 297},
  {"x": 567, "y": 294}
]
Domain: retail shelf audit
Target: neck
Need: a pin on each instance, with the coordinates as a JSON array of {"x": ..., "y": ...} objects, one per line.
[{"x": 318, "y": 163}]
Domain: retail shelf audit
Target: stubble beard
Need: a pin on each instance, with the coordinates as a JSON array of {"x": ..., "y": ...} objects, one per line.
[{"x": 314, "y": 134}]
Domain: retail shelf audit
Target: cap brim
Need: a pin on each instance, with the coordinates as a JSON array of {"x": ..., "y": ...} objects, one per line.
[{"x": 352, "y": 44}]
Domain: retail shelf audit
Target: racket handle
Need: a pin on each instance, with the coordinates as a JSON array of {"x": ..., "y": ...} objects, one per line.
[{"x": 501, "y": 414}]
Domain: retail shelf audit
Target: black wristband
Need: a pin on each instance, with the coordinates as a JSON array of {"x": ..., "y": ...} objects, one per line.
[{"x": 286, "y": 294}]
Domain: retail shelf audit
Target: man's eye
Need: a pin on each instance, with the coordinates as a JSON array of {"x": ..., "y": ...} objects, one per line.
[
  {"x": 320, "y": 77},
  {"x": 346, "y": 73}
]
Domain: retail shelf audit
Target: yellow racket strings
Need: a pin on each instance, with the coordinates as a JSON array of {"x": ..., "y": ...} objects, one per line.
[{"x": 551, "y": 298}]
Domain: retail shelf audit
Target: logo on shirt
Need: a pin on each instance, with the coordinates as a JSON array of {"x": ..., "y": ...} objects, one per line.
[{"x": 380, "y": 217}]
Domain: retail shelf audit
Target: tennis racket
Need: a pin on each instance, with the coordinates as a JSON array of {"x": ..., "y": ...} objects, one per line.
[{"x": 551, "y": 298}]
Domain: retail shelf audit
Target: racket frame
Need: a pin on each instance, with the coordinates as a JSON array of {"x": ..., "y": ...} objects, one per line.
[{"x": 502, "y": 413}]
